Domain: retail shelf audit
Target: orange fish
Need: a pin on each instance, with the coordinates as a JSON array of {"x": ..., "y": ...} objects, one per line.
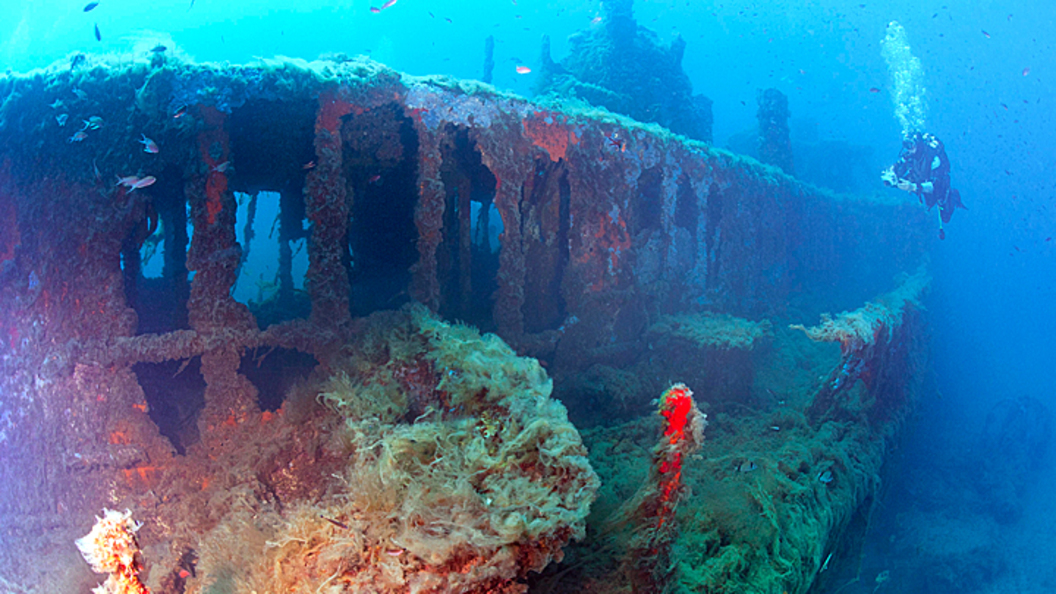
[
  {"x": 375, "y": 9},
  {"x": 222, "y": 167},
  {"x": 523, "y": 70},
  {"x": 874, "y": 90},
  {"x": 374, "y": 178},
  {"x": 985, "y": 34},
  {"x": 309, "y": 165},
  {"x": 388, "y": 4},
  {"x": 79, "y": 136},
  {"x": 1026, "y": 71}
]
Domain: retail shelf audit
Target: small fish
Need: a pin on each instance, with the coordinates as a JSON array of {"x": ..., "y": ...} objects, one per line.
[
  {"x": 523, "y": 70},
  {"x": 616, "y": 142},
  {"x": 93, "y": 123},
  {"x": 184, "y": 574},
  {"x": 595, "y": 20},
  {"x": 375, "y": 9},
  {"x": 180, "y": 113},
  {"x": 61, "y": 118},
  {"x": 222, "y": 167},
  {"x": 825, "y": 477},
  {"x": 80, "y": 94},
  {"x": 98, "y": 35},
  {"x": 335, "y": 522},
  {"x": 374, "y": 178},
  {"x": 149, "y": 146},
  {"x": 308, "y": 165},
  {"x": 95, "y": 169},
  {"x": 144, "y": 182},
  {"x": 747, "y": 466},
  {"x": 774, "y": 428},
  {"x": 78, "y": 136},
  {"x": 58, "y": 104},
  {"x": 1026, "y": 71},
  {"x": 128, "y": 181},
  {"x": 90, "y": 6},
  {"x": 157, "y": 49},
  {"x": 388, "y": 4},
  {"x": 985, "y": 34},
  {"x": 874, "y": 90}
]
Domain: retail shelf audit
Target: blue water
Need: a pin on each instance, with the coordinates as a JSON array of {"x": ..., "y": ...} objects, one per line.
[{"x": 991, "y": 81}]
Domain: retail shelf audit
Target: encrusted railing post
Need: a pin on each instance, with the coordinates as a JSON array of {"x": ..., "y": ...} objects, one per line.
[
  {"x": 214, "y": 256},
  {"x": 428, "y": 218},
  {"x": 511, "y": 173},
  {"x": 327, "y": 207}
]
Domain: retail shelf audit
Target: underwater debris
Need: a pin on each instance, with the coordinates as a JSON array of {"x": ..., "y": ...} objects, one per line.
[{"x": 874, "y": 348}]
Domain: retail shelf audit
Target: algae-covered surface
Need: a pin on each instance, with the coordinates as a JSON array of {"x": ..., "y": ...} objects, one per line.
[
  {"x": 768, "y": 492},
  {"x": 455, "y": 457}
]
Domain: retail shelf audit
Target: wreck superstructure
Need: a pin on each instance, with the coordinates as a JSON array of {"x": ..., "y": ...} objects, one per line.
[{"x": 605, "y": 226}]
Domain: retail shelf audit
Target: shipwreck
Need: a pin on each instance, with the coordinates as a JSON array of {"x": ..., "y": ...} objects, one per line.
[{"x": 387, "y": 415}]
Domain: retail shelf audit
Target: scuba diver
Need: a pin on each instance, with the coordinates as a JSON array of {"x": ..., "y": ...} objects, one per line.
[{"x": 924, "y": 169}]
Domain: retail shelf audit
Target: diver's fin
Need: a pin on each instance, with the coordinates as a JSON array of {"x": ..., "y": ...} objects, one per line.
[{"x": 955, "y": 199}]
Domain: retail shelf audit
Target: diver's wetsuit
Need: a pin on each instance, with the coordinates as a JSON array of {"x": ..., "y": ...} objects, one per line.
[{"x": 924, "y": 164}]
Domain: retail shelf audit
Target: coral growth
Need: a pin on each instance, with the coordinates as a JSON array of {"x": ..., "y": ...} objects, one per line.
[
  {"x": 462, "y": 476},
  {"x": 111, "y": 548}
]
